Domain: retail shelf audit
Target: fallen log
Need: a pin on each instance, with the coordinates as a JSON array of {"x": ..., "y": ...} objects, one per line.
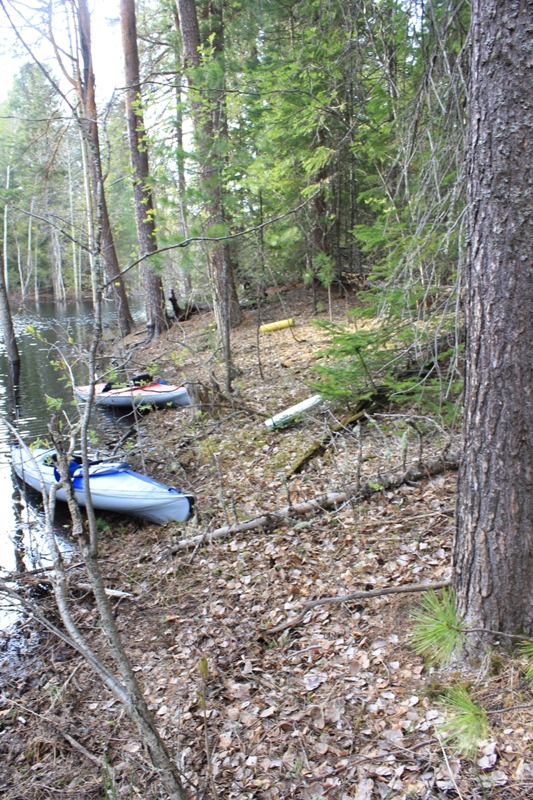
[
  {"x": 426, "y": 469},
  {"x": 346, "y": 598}
]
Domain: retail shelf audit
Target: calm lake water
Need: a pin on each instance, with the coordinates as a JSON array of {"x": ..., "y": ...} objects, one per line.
[{"x": 43, "y": 333}]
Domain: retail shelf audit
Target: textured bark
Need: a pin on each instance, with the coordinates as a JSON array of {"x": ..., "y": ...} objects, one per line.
[
  {"x": 89, "y": 124},
  {"x": 493, "y": 549},
  {"x": 209, "y": 130},
  {"x": 156, "y": 317}
]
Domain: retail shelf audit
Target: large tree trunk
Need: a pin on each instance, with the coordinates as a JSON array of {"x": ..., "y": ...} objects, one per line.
[
  {"x": 156, "y": 317},
  {"x": 209, "y": 129},
  {"x": 89, "y": 122},
  {"x": 493, "y": 549}
]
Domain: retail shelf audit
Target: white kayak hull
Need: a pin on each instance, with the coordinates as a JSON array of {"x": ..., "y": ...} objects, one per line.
[
  {"x": 113, "y": 487},
  {"x": 156, "y": 394}
]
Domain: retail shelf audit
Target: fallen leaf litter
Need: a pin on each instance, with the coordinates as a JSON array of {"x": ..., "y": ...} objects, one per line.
[{"x": 338, "y": 708}]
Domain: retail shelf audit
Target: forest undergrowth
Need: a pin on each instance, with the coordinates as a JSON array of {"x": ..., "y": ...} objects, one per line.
[{"x": 339, "y": 706}]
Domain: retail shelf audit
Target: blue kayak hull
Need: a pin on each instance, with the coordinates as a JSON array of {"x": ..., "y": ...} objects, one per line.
[{"x": 113, "y": 487}]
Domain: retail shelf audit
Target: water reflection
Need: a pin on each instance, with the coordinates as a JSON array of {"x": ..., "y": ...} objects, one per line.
[{"x": 44, "y": 333}]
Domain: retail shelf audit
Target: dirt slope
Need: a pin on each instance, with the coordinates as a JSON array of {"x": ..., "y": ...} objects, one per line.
[{"x": 338, "y": 707}]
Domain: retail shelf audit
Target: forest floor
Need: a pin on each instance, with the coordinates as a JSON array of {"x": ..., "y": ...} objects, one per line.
[{"x": 338, "y": 706}]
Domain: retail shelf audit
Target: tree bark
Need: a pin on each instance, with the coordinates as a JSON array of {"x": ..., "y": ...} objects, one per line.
[
  {"x": 209, "y": 130},
  {"x": 156, "y": 316},
  {"x": 6, "y": 213},
  {"x": 89, "y": 125},
  {"x": 493, "y": 548},
  {"x": 6, "y": 323},
  {"x": 185, "y": 282}
]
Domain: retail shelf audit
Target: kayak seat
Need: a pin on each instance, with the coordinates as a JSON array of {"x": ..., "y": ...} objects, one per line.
[{"x": 99, "y": 470}]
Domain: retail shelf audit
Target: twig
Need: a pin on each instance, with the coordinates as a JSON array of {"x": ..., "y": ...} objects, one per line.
[
  {"x": 70, "y": 677},
  {"x": 204, "y": 671},
  {"x": 122, "y": 439},
  {"x": 361, "y": 595},
  {"x": 77, "y": 746},
  {"x": 511, "y": 708},
  {"x": 452, "y": 776},
  {"x": 70, "y": 739}
]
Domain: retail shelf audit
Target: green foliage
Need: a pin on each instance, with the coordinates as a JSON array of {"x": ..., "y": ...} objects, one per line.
[
  {"x": 203, "y": 667},
  {"x": 53, "y": 403},
  {"x": 358, "y": 360},
  {"x": 466, "y": 725},
  {"x": 102, "y": 525},
  {"x": 359, "y": 111},
  {"x": 438, "y": 633},
  {"x": 109, "y": 784},
  {"x": 326, "y": 269},
  {"x": 526, "y": 651}
]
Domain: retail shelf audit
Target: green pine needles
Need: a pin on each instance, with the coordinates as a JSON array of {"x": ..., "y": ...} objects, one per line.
[
  {"x": 526, "y": 651},
  {"x": 438, "y": 636},
  {"x": 467, "y": 723},
  {"x": 438, "y": 632},
  {"x": 404, "y": 362}
]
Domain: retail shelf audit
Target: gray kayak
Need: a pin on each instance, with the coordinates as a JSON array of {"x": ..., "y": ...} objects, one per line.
[{"x": 114, "y": 486}]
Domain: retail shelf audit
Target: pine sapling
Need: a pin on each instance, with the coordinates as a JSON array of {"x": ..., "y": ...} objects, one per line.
[
  {"x": 438, "y": 632},
  {"x": 466, "y": 725}
]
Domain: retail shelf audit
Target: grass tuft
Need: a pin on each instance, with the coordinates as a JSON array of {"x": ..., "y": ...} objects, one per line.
[{"x": 438, "y": 633}]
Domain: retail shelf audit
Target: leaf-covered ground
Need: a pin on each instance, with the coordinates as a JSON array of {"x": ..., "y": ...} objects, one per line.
[{"x": 337, "y": 707}]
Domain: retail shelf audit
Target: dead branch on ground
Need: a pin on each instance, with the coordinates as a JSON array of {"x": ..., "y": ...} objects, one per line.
[{"x": 433, "y": 466}]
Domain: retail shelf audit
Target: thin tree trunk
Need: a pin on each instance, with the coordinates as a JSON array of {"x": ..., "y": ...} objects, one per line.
[
  {"x": 156, "y": 316},
  {"x": 6, "y": 321},
  {"x": 89, "y": 213},
  {"x": 36, "y": 268},
  {"x": 29, "y": 262},
  {"x": 19, "y": 266},
  {"x": 6, "y": 213},
  {"x": 89, "y": 125},
  {"x": 493, "y": 548},
  {"x": 185, "y": 276},
  {"x": 57, "y": 275},
  {"x": 75, "y": 272},
  {"x": 208, "y": 124}
]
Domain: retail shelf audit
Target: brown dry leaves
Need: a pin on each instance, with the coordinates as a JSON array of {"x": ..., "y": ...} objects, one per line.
[{"x": 338, "y": 708}]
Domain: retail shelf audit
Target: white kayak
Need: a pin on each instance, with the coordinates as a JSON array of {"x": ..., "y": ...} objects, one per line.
[
  {"x": 114, "y": 486},
  {"x": 152, "y": 394}
]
